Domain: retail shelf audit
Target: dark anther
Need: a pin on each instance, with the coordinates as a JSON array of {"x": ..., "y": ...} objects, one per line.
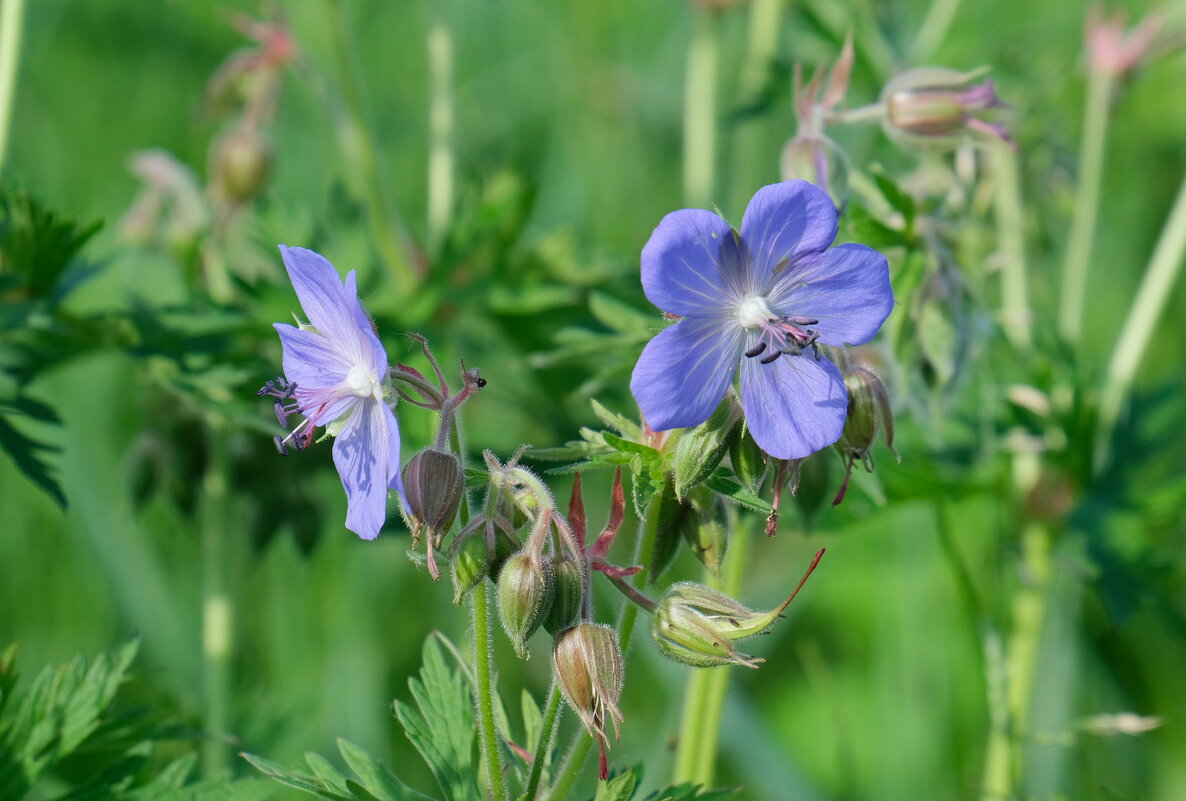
[
  {"x": 277, "y": 388},
  {"x": 482, "y": 383},
  {"x": 771, "y": 357},
  {"x": 782, "y": 265},
  {"x": 755, "y": 350},
  {"x": 803, "y": 320},
  {"x": 281, "y": 413},
  {"x": 280, "y": 445}
]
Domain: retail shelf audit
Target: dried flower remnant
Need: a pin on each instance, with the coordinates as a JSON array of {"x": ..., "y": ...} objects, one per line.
[
  {"x": 810, "y": 154},
  {"x": 764, "y": 297},
  {"x": 336, "y": 375},
  {"x": 1112, "y": 50},
  {"x": 588, "y": 667}
]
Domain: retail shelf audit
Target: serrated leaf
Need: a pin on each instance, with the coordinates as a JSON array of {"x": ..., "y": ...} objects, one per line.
[
  {"x": 724, "y": 482},
  {"x": 29, "y": 456},
  {"x": 324, "y": 772},
  {"x": 692, "y": 792},
  {"x": 628, "y": 446},
  {"x": 441, "y": 727},
  {"x": 619, "y": 788},
  {"x": 377, "y": 777}
]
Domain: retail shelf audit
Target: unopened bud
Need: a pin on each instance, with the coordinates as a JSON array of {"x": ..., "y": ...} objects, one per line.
[
  {"x": 747, "y": 459},
  {"x": 240, "y": 160},
  {"x": 525, "y": 592},
  {"x": 566, "y": 597},
  {"x": 937, "y": 106},
  {"x": 868, "y": 412},
  {"x": 588, "y": 667},
  {"x": 697, "y": 625},
  {"x": 433, "y": 484},
  {"x": 701, "y": 449},
  {"x": 470, "y": 565},
  {"x": 819, "y": 160}
]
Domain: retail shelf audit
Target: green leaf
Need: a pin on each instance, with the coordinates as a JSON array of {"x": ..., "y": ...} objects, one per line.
[
  {"x": 326, "y": 773},
  {"x": 619, "y": 788},
  {"x": 620, "y": 316},
  {"x": 623, "y": 425},
  {"x": 533, "y": 721},
  {"x": 723, "y": 481},
  {"x": 29, "y": 456},
  {"x": 375, "y": 776},
  {"x": 691, "y": 792},
  {"x": 291, "y": 778},
  {"x": 441, "y": 727},
  {"x": 35, "y": 243},
  {"x": 628, "y": 446}
]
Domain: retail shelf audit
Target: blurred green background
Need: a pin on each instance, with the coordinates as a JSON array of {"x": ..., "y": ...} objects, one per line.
[{"x": 567, "y": 146}]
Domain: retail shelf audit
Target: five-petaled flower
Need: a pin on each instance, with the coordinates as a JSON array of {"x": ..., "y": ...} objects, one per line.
[
  {"x": 765, "y": 297},
  {"x": 336, "y": 371}
]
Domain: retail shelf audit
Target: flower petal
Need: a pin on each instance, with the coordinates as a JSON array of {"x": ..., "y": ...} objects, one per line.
[
  {"x": 332, "y": 307},
  {"x": 793, "y": 406},
  {"x": 366, "y": 453},
  {"x": 691, "y": 264},
  {"x": 309, "y": 359},
  {"x": 785, "y": 221},
  {"x": 684, "y": 371},
  {"x": 846, "y": 288}
]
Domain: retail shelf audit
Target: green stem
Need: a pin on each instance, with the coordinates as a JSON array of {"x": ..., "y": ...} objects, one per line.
[
  {"x": 546, "y": 735},
  {"x": 644, "y": 552},
  {"x": 11, "y": 27},
  {"x": 217, "y": 607},
  {"x": 440, "y": 126},
  {"x": 1082, "y": 233},
  {"x": 700, "y": 88},
  {"x": 870, "y": 113},
  {"x": 385, "y": 226},
  {"x": 704, "y": 698},
  {"x": 1129, "y": 348},
  {"x": 482, "y": 671},
  {"x": 1016, "y": 319},
  {"x": 931, "y": 31}
]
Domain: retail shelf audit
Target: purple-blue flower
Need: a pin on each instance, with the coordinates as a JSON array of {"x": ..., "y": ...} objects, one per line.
[
  {"x": 763, "y": 297},
  {"x": 336, "y": 371}
]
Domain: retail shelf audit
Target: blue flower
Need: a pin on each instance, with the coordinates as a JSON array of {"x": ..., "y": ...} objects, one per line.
[
  {"x": 336, "y": 371},
  {"x": 763, "y": 297}
]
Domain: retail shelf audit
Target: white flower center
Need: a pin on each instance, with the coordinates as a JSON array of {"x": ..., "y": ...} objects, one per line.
[
  {"x": 753, "y": 312},
  {"x": 361, "y": 381}
]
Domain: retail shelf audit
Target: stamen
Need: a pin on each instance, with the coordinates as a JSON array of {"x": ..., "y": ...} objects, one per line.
[
  {"x": 782, "y": 263},
  {"x": 756, "y": 349},
  {"x": 772, "y": 357},
  {"x": 802, "y": 320},
  {"x": 279, "y": 442}
]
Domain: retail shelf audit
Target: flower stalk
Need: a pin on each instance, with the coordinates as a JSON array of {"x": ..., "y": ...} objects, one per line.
[
  {"x": 483, "y": 655},
  {"x": 12, "y": 14}
]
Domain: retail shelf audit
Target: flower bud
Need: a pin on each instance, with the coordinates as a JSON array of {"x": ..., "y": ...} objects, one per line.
[
  {"x": 525, "y": 592},
  {"x": 588, "y": 667},
  {"x": 936, "y": 106},
  {"x": 470, "y": 565},
  {"x": 701, "y": 449},
  {"x": 433, "y": 484},
  {"x": 566, "y": 597},
  {"x": 868, "y": 411},
  {"x": 747, "y": 459},
  {"x": 697, "y": 625},
  {"x": 239, "y": 163},
  {"x": 819, "y": 160}
]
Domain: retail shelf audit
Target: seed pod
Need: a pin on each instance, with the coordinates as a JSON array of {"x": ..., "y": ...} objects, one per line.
[
  {"x": 936, "y": 107},
  {"x": 588, "y": 667},
  {"x": 433, "y": 484},
  {"x": 525, "y": 593}
]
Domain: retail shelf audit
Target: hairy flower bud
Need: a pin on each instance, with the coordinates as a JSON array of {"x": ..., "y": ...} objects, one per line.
[
  {"x": 525, "y": 593},
  {"x": 937, "y": 106},
  {"x": 433, "y": 483},
  {"x": 470, "y": 565},
  {"x": 868, "y": 412},
  {"x": 566, "y": 598},
  {"x": 588, "y": 667},
  {"x": 697, "y": 625},
  {"x": 239, "y": 163},
  {"x": 701, "y": 449}
]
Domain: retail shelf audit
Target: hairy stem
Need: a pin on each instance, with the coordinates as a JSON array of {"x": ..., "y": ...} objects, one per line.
[
  {"x": 217, "y": 608},
  {"x": 546, "y": 735},
  {"x": 482, "y": 671},
  {"x": 1087, "y": 193},
  {"x": 704, "y": 698},
  {"x": 1129, "y": 348},
  {"x": 644, "y": 553}
]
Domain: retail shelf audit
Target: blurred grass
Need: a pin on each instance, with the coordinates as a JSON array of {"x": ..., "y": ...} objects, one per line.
[{"x": 874, "y": 686}]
